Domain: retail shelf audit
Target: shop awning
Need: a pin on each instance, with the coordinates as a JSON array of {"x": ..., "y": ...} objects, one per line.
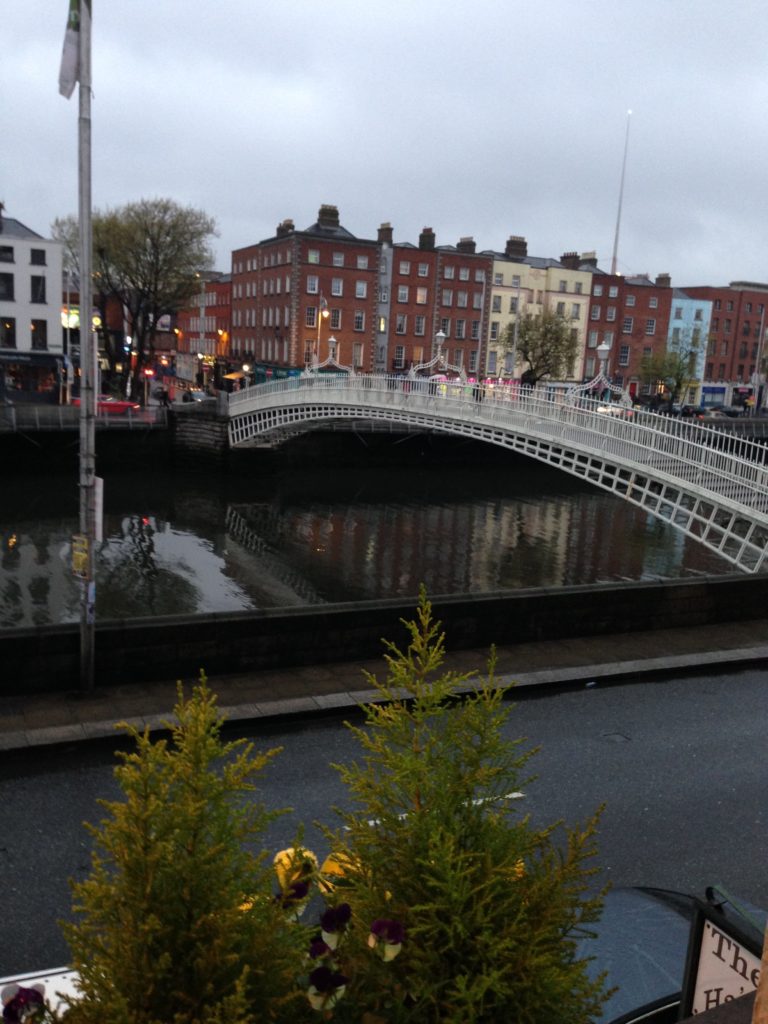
[{"x": 238, "y": 375}]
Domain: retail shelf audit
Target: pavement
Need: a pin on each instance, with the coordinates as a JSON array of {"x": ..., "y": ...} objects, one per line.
[{"x": 64, "y": 718}]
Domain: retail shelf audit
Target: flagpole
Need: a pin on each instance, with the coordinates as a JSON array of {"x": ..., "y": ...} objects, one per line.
[{"x": 87, "y": 359}]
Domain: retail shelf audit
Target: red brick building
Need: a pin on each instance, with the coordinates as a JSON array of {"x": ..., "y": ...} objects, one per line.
[
  {"x": 203, "y": 332},
  {"x": 631, "y": 314},
  {"x": 736, "y": 348},
  {"x": 381, "y": 302}
]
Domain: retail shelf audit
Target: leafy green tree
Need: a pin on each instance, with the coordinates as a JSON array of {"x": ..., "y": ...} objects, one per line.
[
  {"x": 438, "y": 857},
  {"x": 674, "y": 369},
  {"x": 148, "y": 256},
  {"x": 177, "y": 921},
  {"x": 547, "y": 342}
]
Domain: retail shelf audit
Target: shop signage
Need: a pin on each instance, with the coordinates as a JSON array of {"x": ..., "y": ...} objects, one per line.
[
  {"x": 80, "y": 556},
  {"x": 723, "y": 961}
]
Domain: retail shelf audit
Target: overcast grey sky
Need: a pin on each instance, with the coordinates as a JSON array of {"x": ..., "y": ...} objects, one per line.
[{"x": 484, "y": 118}]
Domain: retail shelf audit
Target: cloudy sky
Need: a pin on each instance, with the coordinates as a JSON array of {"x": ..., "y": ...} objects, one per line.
[{"x": 486, "y": 118}]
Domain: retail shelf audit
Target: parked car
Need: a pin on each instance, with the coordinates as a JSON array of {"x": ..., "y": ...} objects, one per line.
[
  {"x": 109, "y": 405},
  {"x": 197, "y": 395}
]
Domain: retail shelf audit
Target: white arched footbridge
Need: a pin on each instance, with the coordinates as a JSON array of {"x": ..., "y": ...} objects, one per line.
[{"x": 706, "y": 482}]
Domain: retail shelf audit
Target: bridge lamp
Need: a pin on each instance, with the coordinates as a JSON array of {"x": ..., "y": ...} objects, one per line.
[{"x": 440, "y": 339}]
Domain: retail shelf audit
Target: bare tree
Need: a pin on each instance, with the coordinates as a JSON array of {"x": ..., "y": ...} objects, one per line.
[{"x": 147, "y": 255}]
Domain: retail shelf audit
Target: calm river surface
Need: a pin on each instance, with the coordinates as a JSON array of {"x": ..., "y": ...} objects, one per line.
[{"x": 176, "y": 544}]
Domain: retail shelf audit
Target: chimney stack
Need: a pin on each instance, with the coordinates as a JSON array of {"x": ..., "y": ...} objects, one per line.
[
  {"x": 427, "y": 239},
  {"x": 590, "y": 258},
  {"x": 286, "y": 228},
  {"x": 385, "y": 234},
  {"x": 570, "y": 260},
  {"x": 466, "y": 244},
  {"x": 328, "y": 217},
  {"x": 663, "y": 280},
  {"x": 516, "y": 247}
]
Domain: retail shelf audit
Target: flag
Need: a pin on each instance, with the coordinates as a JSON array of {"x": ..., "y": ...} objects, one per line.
[{"x": 69, "y": 71}]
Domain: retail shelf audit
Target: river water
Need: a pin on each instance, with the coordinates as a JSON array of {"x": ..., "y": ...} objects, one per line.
[{"x": 190, "y": 544}]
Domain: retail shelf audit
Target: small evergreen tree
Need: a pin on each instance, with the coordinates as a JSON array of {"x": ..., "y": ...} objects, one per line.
[
  {"x": 177, "y": 921},
  {"x": 487, "y": 906}
]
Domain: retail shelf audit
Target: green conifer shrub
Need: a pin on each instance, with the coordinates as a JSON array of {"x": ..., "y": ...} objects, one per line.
[
  {"x": 177, "y": 921},
  {"x": 490, "y": 906}
]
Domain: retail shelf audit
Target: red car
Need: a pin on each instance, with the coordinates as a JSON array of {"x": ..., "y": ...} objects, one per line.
[{"x": 110, "y": 405}]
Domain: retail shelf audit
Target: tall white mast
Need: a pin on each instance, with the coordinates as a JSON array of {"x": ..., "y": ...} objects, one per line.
[{"x": 621, "y": 197}]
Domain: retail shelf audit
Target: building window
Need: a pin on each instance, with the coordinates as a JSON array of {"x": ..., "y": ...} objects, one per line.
[
  {"x": 445, "y": 326},
  {"x": 421, "y": 296},
  {"x": 405, "y": 267},
  {"x": 560, "y": 309},
  {"x": 472, "y": 360},
  {"x": 592, "y": 339},
  {"x": 721, "y": 372},
  {"x": 613, "y": 291},
  {"x": 494, "y": 330},
  {"x": 463, "y": 273},
  {"x": 335, "y": 319},
  {"x": 475, "y": 330},
  {"x": 626, "y": 327},
  {"x": 361, "y": 289},
  {"x": 313, "y": 256},
  {"x": 359, "y": 320},
  {"x": 423, "y": 270},
  {"x": 448, "y": 273},
  {"x": 513, "y": 304},
  {"x": 337, "y": 286},
  {"x": 650, "y": 327},
  {"x": 39, "y": 335},
  {"x": 718, "y": 306},
  {"x": 6, "y": 254},
  {"x": 610, "y": 314},
  {"x": 624, "y": 355},
  {"x": 461, "y": 299},
  {"x": 477, "y": 300},
  {"x": 594, "y": 313},
  {"x": 698, "y": 314},
  {"x": 496, "y": 304},
  {"x": 515, "y": 280},
  {"x": 608, "y": 338},
  {"x": 38, "y": 289},
  {"x": 8, "y": 332},
  {"x": 420, "y": 326},
  {"x": 653, "y": 302},
  {"x": 577, "y": 287},
  {"x": 310, "y": 316},
  {"x": 729, "y": 306},
  {"x": 575, "y": 311},
  {"x": 6, "y": 287},
  {"x": 402, "y": 293},
  {"x": 498, "y": 279},
  {"x": 313, "y": 284},
  {"x": 597, "y": 291},
  {"x": 630, "y": 300},
  {"x": 362, "y": 262},
  {"x": 563, "y": 286},
  {"x": 401, "y": 323},
  {"x": 357, "y": 355},
  {"x": 726, "y": 325},
  {"x": 461, "y": 330},
  {"x": 338, "y": 259},
  {"x": 492, "y": 363},
  {"x": 37, "y": 257},
  {"x": 399, "y": 357},
  {"x": 447, "y": 297}
]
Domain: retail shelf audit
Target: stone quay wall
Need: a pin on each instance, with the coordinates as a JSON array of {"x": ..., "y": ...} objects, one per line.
[{"x": 46, "y": 659}]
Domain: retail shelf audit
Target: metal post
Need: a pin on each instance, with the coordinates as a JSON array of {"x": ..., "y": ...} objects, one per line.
[{"x": 87, "y": 361}]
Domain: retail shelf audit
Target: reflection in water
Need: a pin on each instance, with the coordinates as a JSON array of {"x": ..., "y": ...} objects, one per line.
[{"x": 187, "y": 545}]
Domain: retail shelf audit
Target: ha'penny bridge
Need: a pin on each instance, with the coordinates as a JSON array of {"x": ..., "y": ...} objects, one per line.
[{"x": 706, "y": 482}]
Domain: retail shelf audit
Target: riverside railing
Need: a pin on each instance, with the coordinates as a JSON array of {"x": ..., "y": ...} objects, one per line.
[{"x": 31, "y": 417}]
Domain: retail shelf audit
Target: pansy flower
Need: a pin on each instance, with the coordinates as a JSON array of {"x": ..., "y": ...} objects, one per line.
[
  {"x": 386, "y": 938},
  {"x": 333, "y": 922},
  {"x": 326, "y": 987}
]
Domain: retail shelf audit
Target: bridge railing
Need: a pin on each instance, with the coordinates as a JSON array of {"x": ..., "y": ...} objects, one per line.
[{"x": 704, "y": 456}]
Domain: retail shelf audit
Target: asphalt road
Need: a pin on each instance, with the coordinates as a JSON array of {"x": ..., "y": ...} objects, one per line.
[{"x": 680, "y": 765}]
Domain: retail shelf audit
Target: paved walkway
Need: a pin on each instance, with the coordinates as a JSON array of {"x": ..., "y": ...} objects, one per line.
[{"x": 71, "y": 717}]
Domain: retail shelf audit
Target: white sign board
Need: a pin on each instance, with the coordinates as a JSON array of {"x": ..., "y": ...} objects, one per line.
[{"x": 726, "y": 969}]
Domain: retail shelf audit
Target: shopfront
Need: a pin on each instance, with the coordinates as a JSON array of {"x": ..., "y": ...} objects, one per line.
[{"x": 37, "y": 377}]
